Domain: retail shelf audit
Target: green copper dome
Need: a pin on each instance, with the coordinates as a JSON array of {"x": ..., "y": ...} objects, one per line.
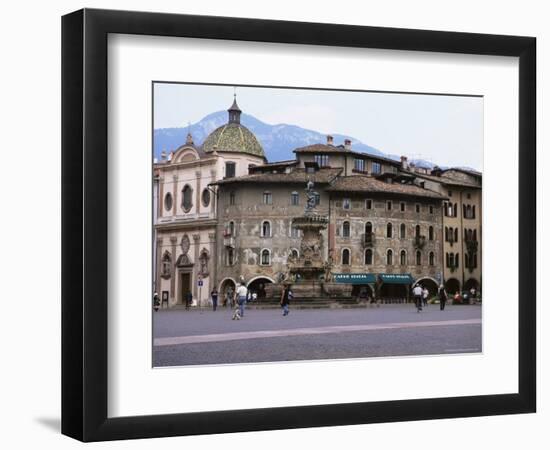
[{"x": 233, "y": 137}]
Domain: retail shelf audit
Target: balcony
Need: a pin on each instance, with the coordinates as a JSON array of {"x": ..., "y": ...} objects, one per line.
[{"x": 368, "y": 239}]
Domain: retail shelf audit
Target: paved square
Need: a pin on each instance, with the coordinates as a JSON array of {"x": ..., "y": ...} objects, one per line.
[{"x": 211, "y": 337}]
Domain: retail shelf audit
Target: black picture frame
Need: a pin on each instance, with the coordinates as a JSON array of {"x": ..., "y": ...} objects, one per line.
[{"x": 84, "y": 224}]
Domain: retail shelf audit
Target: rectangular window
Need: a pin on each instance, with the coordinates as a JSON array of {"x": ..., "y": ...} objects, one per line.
[
  {"x": 359, "y": 164},
  {"x": 388, "y": 205},
  {"x": 231, "y": 198},
  {"x": 376, "y": 168},
  {"x": 268, "y": 200},
  {"x": 368, "y": 204},
  {"x": 402, "y": 206},
  {"x": 417, "y": 207},
  {"x": 431, "y": 209},
  {"x": 294, "y": 232},
  {"x": 346, "y": 203},
  {"x": 230, "y": 169},
  {"x": 294, "y": 198},
  {"x": 322, "y": 160},
  {"x": 317, "y": 199}
]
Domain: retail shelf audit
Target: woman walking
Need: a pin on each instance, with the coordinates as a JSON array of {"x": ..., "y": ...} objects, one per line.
[
  {"x": 285, "y": 299},
  {"x": 442, "y": 297}
]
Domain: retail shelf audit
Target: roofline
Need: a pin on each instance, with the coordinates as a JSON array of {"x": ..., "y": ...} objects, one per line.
[{"x": 348, "y": 152}]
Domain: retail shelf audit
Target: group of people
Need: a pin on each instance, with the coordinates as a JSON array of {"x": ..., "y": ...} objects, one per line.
[{"x": 421, "y": 297}]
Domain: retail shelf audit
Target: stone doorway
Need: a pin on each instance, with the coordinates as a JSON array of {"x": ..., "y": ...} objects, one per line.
[{"x": 184, "y": 286}]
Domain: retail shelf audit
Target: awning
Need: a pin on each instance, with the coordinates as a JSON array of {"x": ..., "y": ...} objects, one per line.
[
  {"x": 396, "y": 278},
  {"x": 355, "y": 278}
]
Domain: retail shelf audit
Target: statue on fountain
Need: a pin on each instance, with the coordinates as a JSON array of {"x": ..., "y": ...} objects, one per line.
[{"x": 311, "y": 197}]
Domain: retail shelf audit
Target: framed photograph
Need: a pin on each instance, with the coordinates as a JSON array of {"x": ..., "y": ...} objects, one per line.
[{"x": 273, "y": 225}]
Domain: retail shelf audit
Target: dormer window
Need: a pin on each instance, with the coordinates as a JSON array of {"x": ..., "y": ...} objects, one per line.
[
  {"x": 376, "y": 168},
  {"x": 322, "y": 160}
]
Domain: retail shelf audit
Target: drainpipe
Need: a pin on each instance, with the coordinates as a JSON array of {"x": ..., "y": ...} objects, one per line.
[{"x": 462, "y": 236}]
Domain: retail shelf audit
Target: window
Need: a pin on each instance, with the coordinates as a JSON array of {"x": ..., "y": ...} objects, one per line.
[
  {"x": 187, "y": 198},
  {"x": 376, "y": 168},
  {"x": 455, "y": 210},
  {"x": 205, "y": 197},
  {"x": 266, "y": 257},
  {"x": 402, "y": 206},
  {"x": 389, "y": 257},
  {"x": 345, "y": 257},
  {"x": 321, "y": 160},
  {"x": 417, "y": 208},
  {"x": 267, "y": 198},
  {"x": 231, "y": 228},
  {"x": 403, "y": 258},
  {"x": 317, "y": 199},
  {"x": 232, "y": 198},
  {"x": 166, "y": 264},
  {"x": 359, "y": 164},
  {"x": 389, "y": 230},
  {"x": 266, "y": 229},
  {"x": 456, "y": 235},
  {"x": 417, "y": 231},
  {"x": 168, "y": 201},
  {"x": 431, "y": 209},
  {"x": 418, "y": 258},
  {"x": 468, "y": 195},
  {"x": 346, "y": 203},
  {"x": 294, "y": 198},
  {"x": 431, "y": 233},
  {"x": 310, "y": 169},
  {"x": 294, "y": 232},
  {"x": 450, "y": 193},
  {"x": 388, "y": 205},
  {"x": 294, "y": 254},
  {"x": 346, "y": 229},
  {"x": 368, "y": 228},
  {"x": 402, "y": 231},
  {"x": 466, "y": 260},
  {"x": 368, "y": 257},
  {"x": 432, "y": 259},
  {"x": 229, "y": 256},
  {"x": 368, "y": 204},
  {"x": 456, "y": 260},
  {"x": 230, "y": 169}
]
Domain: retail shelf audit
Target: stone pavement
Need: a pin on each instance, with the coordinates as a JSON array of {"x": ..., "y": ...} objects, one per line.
[{"x": 207, "y": 337}]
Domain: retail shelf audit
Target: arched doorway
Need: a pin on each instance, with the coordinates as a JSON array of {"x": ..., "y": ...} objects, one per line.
[
  {"x": 452, "y": 286},
  {"x": 257, "y": 286},
  {"x": 430, "y": 284},
  {"x": 227, "y": 286}
]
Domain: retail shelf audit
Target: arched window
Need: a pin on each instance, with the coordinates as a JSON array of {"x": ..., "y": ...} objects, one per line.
[
  {"x": 403, "y": 258},
  {"x": 368, "y": 256},
  {"x": 166, "y": 269},
  {"x": 389, "y": 230},
  {"x": 474, "y": 212},
  {"x": 231, "y": 228},
  {"x": 455, "y": 210},
  {"x": 468, "y": 212},
  {"x": 229, "y": 256},
  {"x": 345, "y": 257},
  {"x": 402, "y": 231},
  {"x": 475, "y": 235},
  {"x": 466, "y": 260},
  {"x": 418, "y": 258},
  {"x": 456, "y": 260},
  {"x": 368, "y": 228},
  {"x": 431, "y": 233},
  {"x": 389, "y": 257},
  {"x": 266, "y": 257},
  {"x": 446, "y": 234},
  {"x": 432, "y": 259},
  {"x": 456, "y": 234},
  {"x": 206, "y": 197},
  {"x": 187, "y": 198},
  {"x": 168, "y": 201},
  {"x": 417, "y": 231},
  {"x": 266, "y": 229},
  {"x": 345, "y": 229}
]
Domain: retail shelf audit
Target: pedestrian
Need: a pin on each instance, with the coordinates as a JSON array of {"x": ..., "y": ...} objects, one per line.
[
  {"x": 188, "y": 299},
  {"x": 425, "y": 294},
  {"x": 228, "y": 301},
  {"x": 214, "y": 295},
  {"x": 286, "y": 296},
  {"x": 417, "y": 293},
  {"x": 472, "y": 294},
  {"x": 241, "y": 294},
  {"x": 156, "y": 302},
  {"x": 442, "y": 297}
]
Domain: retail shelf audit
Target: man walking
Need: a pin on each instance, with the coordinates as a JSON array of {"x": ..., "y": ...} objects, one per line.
[
  {"x": 417, "y": 293},
  {"x": 214, "y": 296},
  {"x": 285, "y": 299},
  {"x": 242, "y": 291},
  {"x": 425, "y": 294},
  {"x": 188, "y": 299},
  {"x": 442, "y": 297}
]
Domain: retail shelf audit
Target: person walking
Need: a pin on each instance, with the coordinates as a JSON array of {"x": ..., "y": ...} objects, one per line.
[
  {"x": 285, "y": 299},
  {"x": 188, "y": 299},
  {"x": 228, "y": 299},
  {"x": 214, "y": 296},
  {"x": 417, "y": 293},
  {"x": 241, "y": 293},
  {"x": 425, "y": 294},
  {"x": 156, "y": 302},
  {"x": 442, "y": 297}
]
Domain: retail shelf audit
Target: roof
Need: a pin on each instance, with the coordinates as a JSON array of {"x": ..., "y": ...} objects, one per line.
[
  {"x": 233, "y": 137},
  {"x": 362, "y": 183},
  {"x": 448, "y": 181},
  {"x": 322, "y": 176},
  {"x": 326, "y": 148},
  {"x": 467, "y": 171},
  {"x": 275, "y": 164}
]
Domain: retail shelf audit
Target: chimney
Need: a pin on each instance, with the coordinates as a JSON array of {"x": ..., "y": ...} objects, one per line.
[
  {"x": 347, "y": 144},
  {"x": 404, "y": 162},
  {"x": 330, "y": 140}
]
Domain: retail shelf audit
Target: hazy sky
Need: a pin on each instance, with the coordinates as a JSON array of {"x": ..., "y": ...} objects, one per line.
[{"x": 447, "y": 130}]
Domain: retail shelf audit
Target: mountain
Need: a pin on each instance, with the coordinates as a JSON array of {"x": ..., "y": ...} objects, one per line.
[{"x": 278, "y": 140}]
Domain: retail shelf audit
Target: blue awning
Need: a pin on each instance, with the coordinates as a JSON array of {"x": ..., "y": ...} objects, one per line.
[
  {"x": 396, "y": 278},
  {"x": 355, "y": 278}
]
